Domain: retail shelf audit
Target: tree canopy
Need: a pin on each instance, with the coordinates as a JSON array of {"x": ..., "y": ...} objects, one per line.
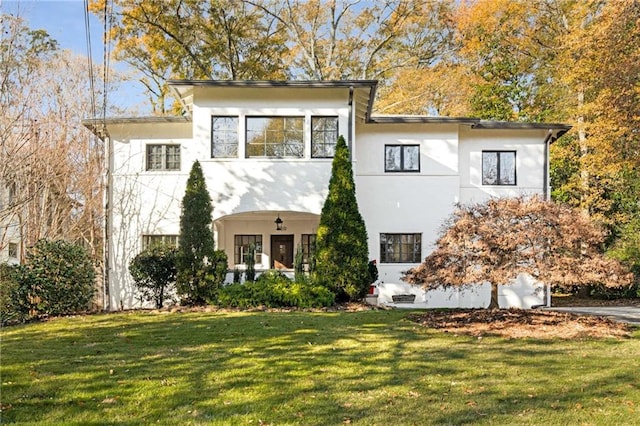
[{"x": 497, "y": 240}]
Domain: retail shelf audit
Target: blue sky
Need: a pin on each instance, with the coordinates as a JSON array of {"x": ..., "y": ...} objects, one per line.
[{"x": 64, "y": 20}]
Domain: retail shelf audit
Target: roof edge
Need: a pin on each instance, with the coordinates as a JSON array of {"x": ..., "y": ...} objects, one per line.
[{"x": 275, "y": 83}]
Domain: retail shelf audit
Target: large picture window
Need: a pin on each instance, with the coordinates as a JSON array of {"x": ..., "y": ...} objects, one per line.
[
  {"x": 224, "y": 137},
  {"x": 242, "y": 243},
  {"x": 163, "y": 157},
  {"x": 400, "y": 248},
  {"x": 279, "y": 137},
  {"x": 402, "y": 158},
  {"x": 324, "y": 136},
  {"x": 498, "y": 167}
]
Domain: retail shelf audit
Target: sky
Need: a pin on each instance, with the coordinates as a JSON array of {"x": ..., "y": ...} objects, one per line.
[{"x": 64, "y": 20}]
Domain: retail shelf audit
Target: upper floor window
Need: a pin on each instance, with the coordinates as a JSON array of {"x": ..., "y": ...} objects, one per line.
[
  {"x": 156, "y": 240},
  {"x": 402, "y": 158},
  {"x": 400, "y": 248},
  {"x": 498, "y": 167},
  {"x": 242, "y": 245},
  {"x": 275, "y": 137},
  {"x": 163, "y": 157},
  {"x": 324, "y": 136},
  {"x": 224, "y": 137}
]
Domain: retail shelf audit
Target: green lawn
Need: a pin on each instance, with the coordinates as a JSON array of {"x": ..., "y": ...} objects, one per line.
[{"x": 371, "y": 367}]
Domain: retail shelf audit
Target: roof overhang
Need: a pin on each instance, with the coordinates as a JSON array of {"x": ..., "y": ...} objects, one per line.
[
  {"x": 99, "y": 126},
  {"x": 364, "y": 91}
]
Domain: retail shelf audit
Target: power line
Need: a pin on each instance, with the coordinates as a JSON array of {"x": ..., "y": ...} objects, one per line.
[
  {"x": 106, "y": 55},
  {"x": 87, "y": 29}
]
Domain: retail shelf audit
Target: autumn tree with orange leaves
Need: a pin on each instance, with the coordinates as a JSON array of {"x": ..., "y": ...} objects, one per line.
[{"x": 497, "y": 240}]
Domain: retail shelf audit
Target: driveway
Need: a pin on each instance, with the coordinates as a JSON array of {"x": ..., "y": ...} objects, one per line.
[{"x": 628, "y": 314}]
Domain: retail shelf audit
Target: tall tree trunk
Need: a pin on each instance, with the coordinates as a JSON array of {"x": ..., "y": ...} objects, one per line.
[{"x": 494, "y": 297}]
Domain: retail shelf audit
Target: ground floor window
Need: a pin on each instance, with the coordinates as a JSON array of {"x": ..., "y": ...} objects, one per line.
[
  {"x": 13, "y": 250},
  {"x": 308, "y": 247},
  {"x": 156, "y": 240},
  {"x": 400, "y": 248},
  {"x": 242, "y": 244}
]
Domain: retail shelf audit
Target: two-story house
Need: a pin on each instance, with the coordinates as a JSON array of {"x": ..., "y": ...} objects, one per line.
[{"x": 266, "y": 149}]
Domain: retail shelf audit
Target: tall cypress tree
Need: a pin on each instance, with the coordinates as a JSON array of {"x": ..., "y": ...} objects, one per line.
[
  {"x": 199, "y": 265},
  {"x": 341, "y": 246}
]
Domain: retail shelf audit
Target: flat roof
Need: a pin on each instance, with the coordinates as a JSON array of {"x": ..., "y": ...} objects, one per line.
[{"x": 184, "y": 90}]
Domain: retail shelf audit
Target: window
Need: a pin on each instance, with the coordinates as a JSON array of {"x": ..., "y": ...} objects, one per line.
[
  {"x": 400, "y": 248},
  {"x": 402, "y": 158},
  {"x": 13, "y": 250},
  {"x": 241, "y": 247},
  {"x": 324, "y": 136},
  {"x": 156, "y": 240},
  {"x": 275, "y": 137},
  {"x": 224, "y": 137},
  {"x": 163, "y": 157},
  {"x": 498, "y": 167},
  {"x": 308, "y": 247}
]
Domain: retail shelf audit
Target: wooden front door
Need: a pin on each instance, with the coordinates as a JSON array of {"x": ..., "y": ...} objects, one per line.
[{"x": 282, "y": 251}]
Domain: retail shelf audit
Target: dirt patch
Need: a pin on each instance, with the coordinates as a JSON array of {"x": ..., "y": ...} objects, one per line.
[{"x": 520, "y": 323}]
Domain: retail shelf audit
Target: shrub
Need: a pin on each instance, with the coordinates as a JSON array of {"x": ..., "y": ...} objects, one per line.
[
  {"x": 154, "y": 272},
  {"x": 58, "y": 278},
  {"x": 341, "y": 244},
  {"x": 273, "y": 289},
  {"x": 11, "y": 310},
  {"x": 200, "y": 268}
]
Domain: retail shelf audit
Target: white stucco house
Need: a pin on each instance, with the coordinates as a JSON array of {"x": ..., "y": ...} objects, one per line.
[{"x": 266, "y": 149}]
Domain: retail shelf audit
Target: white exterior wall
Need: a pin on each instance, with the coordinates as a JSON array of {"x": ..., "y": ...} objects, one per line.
[
  {"x": 411, "y": 202},
  {"x": 143, "y": 202},
  {"x": 149, "y": 202},
  {"x": 248, "y": 193},
  {"x": 450, "y": 172},
  {"x": 529, "y": 147}
]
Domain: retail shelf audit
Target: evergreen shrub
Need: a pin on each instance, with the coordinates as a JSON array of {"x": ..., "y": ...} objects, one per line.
[
  {"x": 274, "y": 290},
  {"x": 154, "y": 272},
  {"x": 57, "y": 278}
]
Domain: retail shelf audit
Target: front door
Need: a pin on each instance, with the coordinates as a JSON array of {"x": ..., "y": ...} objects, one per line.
[{"x": 282, "y": 251}]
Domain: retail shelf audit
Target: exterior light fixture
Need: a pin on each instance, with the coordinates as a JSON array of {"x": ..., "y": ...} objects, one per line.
[{"x": 279, "y": 223}]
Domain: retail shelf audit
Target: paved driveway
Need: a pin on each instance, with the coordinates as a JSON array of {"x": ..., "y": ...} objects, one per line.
[{"x": 628, "y": 314}]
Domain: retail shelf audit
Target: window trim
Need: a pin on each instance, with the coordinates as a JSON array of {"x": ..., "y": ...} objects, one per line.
[
  {"x": 402, "y": 154},
  {"x": 498, "y": 177},
  {"x": 283, "y": 117},
  {"x": 416, "y": 255},
  {"x": 12, "y": 250},
  {"x": 308, "y": 247},
  {"x": 323, "y": 131},
  {"x": 165, "y": 157},
  {"x": 237, "y": 132},
  {"x": 237, "y": 255}
]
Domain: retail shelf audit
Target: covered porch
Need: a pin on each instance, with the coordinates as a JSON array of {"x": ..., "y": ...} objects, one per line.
[{"x": 275, "y": 234}]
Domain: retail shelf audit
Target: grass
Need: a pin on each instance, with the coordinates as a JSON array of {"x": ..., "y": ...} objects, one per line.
[{"x": 371, "y": 367}]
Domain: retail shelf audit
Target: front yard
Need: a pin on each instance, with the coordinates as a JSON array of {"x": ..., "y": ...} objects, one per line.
[{"x": 369, "y": 367}]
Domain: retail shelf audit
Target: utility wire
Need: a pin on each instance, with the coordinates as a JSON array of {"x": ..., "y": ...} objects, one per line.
[
  {"x": 106, "y": 56},
  {"x": 87, "y": 29}
]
